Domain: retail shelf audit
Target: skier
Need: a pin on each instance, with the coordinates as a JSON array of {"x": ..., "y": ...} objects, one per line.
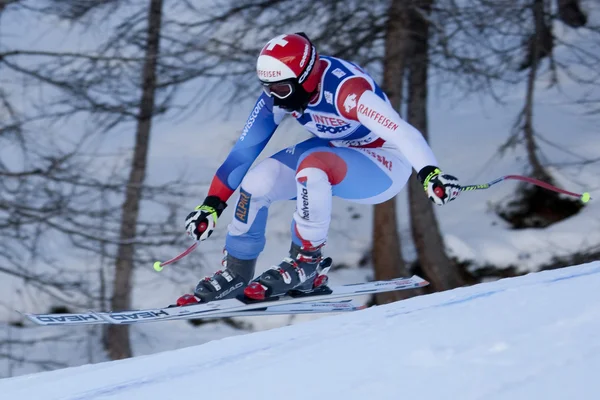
[{"x": 362, "y": 151}]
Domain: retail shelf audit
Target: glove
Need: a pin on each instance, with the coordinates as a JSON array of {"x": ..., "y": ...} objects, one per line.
[
  {"x": 441, "y": 188},
  {"x": 201, "y": 223}
]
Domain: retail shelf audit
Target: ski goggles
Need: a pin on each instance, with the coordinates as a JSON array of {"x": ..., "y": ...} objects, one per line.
[{"x": 281, "y": 90}]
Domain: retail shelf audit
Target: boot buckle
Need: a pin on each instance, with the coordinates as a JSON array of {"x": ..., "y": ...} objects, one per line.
[
  {"x": 301, "y": 274},
  {"x": 287, "y": 278},
  {"x": 303, "y": 258}
]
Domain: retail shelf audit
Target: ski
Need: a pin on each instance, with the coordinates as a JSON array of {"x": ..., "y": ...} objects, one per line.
[
  {"x": 218, "y": 307},
  {"x": 92, "y": 318},
  {"x": 223, "y": 308}
]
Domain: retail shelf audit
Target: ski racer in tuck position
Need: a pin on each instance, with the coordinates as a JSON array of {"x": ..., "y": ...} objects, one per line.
[{"x": 362, "y": 152}]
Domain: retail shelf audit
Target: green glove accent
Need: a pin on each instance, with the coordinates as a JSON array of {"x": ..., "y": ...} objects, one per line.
[
  {"x": 429, "y": 177},
  {"x": 210, "y": 210},
  {"x": 206, "y": 208}
]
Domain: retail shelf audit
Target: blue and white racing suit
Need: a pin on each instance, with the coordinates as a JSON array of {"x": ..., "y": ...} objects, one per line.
[{"x": 362, "y": 151}]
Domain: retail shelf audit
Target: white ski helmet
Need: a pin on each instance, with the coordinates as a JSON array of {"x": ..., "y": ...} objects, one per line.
[{"x": 289, "y": 69}]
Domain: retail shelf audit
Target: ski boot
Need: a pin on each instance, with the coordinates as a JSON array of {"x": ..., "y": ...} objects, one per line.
[
  {"x": 224, "y": 284},
  {"x": 303, "y": 273}
]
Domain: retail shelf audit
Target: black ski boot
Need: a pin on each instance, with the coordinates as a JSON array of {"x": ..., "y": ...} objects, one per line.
[
  {"x": 302, "y": 273},
  {"x": 224, "y": 284}
]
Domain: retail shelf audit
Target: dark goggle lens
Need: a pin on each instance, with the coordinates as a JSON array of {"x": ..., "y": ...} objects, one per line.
[{"x": 280, "y": 90}]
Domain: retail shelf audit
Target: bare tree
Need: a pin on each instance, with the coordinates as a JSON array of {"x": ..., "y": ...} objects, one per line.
[
  {"x": 489, "y": 47},
  {"x": 387, "y": 257},
  {"x": 72, "y": 195},
  {"x": 5, "y": 3},
  {"x": 118, "y": 336},
  {"x": 432, "y": 256},
  {"x": 540, "y": 46},
  {"x": 38, "y": 199},
  {"x": 533, "y": 207}
]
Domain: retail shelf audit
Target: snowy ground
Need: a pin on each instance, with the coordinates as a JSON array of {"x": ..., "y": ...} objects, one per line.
[{"x": 532, "y": 337}]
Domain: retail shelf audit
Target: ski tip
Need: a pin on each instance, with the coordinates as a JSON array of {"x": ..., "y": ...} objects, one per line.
[
  {"x": 31, "y": 318},
  {"x": 420, "y": 281}
]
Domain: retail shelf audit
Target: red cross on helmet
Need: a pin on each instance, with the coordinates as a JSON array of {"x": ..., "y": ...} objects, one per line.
[{"x": 289, "y": 69}]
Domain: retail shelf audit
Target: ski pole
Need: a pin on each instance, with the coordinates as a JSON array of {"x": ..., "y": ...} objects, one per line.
[
  {"x": 158, "y": 266},
  {"x": 584, "y": 197}
]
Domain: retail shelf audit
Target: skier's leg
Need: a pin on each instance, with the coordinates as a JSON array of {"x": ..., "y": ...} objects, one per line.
[
  {"x": 321, "y": 171},
  {"x": 361, "y": 175},
  {"x": 269, "y": 181},
  {"x": 266, "y": 183}
]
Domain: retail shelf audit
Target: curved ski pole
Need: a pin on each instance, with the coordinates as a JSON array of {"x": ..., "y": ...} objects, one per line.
[
  {"x": 158, "y": 266},
  {"x": 584, "y": 197}
]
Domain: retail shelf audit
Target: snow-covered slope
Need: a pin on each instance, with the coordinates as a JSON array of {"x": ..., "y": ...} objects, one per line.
[{"x": 532, "y": 337}]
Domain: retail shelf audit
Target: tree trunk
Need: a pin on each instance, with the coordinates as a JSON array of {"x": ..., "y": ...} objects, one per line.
[
  {"x": 442, "y": 273},
  {"x": 119, "y": 345},
  {"x": 387, "y": 254},
  {"x": 569, "y": 12},
  {"x": 4, "y": 3},
  {"x": 540, "y": 26}
]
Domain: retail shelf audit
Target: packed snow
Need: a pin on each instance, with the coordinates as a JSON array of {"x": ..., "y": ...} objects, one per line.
[{"x": 531, "y": 337}]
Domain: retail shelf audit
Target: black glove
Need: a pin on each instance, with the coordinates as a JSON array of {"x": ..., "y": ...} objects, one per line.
[
  {"x": 201, "y": 223},
  {"x": 441, "y": 188}
]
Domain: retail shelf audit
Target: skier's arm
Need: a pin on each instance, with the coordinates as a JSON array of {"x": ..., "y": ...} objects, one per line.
[
  {"x": 356, "y": 100},
  {"x": 256, "y": 133}
]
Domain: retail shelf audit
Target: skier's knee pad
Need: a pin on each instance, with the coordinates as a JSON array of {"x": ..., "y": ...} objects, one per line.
[{"x": 327, "y": 161}]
